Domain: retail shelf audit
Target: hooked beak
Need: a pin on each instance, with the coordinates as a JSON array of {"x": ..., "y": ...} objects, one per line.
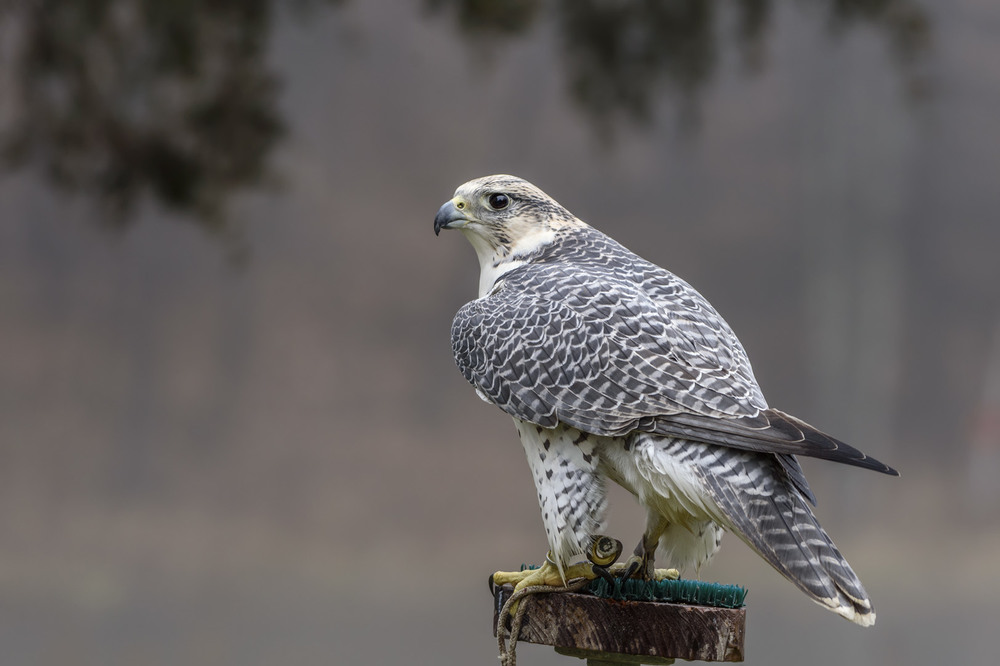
[{"x": 447, "y": 216}]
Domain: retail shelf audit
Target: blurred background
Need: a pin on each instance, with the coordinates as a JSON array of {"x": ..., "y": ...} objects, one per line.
[{"x": 231, "y": 431}]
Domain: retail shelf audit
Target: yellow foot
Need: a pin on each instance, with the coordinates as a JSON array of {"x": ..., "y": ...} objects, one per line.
[
  {"x": 657, "y": 575},
  {"x": 602, "y": 553},
  {"x": 547, "y": 574},
  {"x": 666, "y": 574}
]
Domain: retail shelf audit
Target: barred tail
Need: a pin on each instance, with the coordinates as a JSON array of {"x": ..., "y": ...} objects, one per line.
[
  {"x": 784, "y": 531},
  {"x": 761, "y": 502},
  {"x": 763, "y": 499}
]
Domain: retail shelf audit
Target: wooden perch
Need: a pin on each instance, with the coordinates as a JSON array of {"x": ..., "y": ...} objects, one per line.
[{"x": 572, "y": 622}]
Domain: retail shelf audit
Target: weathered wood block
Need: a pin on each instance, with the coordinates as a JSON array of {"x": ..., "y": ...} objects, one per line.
[{"x": 644, "y": 628}]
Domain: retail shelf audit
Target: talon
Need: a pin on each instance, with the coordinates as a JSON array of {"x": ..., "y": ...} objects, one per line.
[
  {"x": 603, "y": 573},
  {"x": 630, "y": 569}
]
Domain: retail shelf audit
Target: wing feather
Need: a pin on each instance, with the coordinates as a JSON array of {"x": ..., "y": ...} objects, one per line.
[{"x": 595, "y": 337}]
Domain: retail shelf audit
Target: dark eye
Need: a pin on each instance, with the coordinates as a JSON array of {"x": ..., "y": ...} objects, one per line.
[{"x": 498, "y": 201}]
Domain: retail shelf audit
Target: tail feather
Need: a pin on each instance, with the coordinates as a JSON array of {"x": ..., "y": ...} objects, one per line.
[
  {"x": 792, "y": 540},
  {"x": 761, "y": 498},
  {"x": 776, "y": 521}
]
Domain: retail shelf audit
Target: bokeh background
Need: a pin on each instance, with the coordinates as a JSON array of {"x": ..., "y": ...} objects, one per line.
[{"x": 231, "y": 431}]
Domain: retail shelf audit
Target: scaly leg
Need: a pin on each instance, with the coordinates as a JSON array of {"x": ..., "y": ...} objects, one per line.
[{"x": 640, "y": 565}]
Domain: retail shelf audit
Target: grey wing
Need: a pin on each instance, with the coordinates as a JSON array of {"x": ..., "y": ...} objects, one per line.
[
  {"x": 527, "y": 356},
  {"x": 699, "y": 337},
  {"x": 609, "y": 355},
  {"x": 768, "y": 430},
  {"x": 597, "y": 353}
]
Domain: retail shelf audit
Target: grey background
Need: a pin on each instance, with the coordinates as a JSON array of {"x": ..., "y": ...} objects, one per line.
[{"x": 231, "y": 431}]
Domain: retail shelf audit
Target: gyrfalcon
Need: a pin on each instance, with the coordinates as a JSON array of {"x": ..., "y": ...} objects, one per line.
[{"x": 614, "y": 368}]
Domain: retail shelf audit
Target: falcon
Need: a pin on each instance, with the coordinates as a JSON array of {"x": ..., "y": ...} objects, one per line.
[{"x": 616, "y": 369}]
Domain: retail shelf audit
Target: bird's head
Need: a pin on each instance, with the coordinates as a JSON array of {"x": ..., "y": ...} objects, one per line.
[{"x": 503, "y": 216}]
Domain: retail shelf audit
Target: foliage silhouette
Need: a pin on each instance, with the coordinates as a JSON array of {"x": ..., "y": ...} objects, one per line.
[{"x": 121, "y": 98}]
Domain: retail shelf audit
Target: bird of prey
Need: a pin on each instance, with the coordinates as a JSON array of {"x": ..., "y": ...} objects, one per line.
[{"x": 614, "y": 368}]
